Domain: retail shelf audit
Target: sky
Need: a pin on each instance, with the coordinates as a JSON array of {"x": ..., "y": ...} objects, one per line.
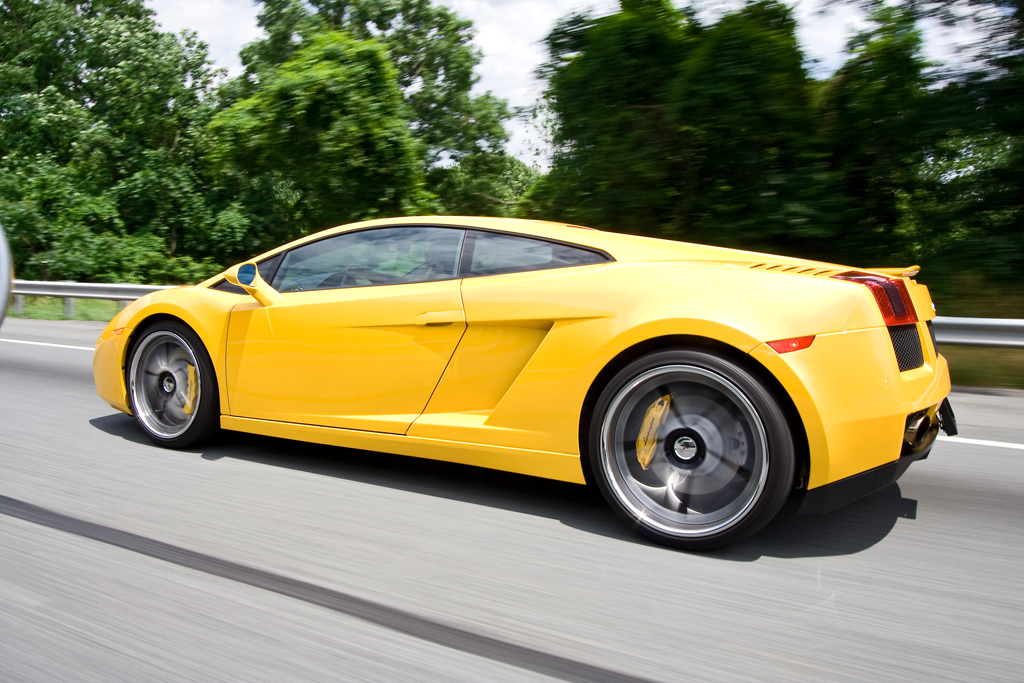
[{"x": 509, "y": 33}]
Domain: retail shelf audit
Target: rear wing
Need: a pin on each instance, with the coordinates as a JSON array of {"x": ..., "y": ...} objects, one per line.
[{"x": 909, "y": 271}]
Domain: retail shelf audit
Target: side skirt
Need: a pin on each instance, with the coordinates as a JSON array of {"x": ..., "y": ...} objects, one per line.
[{"x": 560, "y": 466}]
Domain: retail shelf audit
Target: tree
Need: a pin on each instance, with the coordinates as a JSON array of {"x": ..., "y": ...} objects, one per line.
[
  {"x": 742, "y": 102},
  {"x": 102, "y": 131},
  {"x": 965, "y": 209},
  {"x": 483, "y": 185},
  {"x": 666, "y": 127},
  {"x": 325, "y": 130},
  {"x": 616, "y": 149},
  {"x": 433, "y": 56},
  {"x": 874, "y": 130}
]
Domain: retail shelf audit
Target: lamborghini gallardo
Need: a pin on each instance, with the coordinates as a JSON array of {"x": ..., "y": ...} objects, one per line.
[{"x": 699, "y": 388}]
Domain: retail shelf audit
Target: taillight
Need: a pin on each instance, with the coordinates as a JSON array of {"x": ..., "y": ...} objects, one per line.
[{"x": 891, "y": 295}]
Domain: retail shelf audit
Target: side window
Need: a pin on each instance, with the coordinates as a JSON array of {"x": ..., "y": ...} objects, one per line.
[
  {"x": 488, "y": 253},
  {"x": 383, "y": 256}
]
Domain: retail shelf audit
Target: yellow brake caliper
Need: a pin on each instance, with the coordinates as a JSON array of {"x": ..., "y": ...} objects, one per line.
[
  {"x": 190, "y": 394},
  {"x": 648, "y": 439}
]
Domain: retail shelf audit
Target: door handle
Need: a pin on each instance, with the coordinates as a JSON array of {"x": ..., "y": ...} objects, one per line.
[{"x": 441, "y": 317}]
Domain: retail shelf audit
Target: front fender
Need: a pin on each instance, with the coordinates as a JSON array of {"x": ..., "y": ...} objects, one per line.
[{"x": 204, "y": 310}]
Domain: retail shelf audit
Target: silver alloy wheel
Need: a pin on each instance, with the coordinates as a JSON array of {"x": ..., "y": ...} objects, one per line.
[
  {"x": 165, "y": 384},
  {"x": 709, "y": 461}
]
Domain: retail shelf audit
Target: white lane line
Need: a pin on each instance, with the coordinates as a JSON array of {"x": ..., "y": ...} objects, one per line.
[
  {"x": 57, "y": 346},
  {"x": 982, "y": 442}
]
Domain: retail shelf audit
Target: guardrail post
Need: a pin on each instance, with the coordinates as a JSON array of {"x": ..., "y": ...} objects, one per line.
[
  {"x": 19, "y": 304},
  {"x": 69, "y": 308},
  {"x": 121, "y": 305}
]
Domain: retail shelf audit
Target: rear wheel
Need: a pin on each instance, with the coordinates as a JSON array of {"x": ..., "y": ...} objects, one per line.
[
  {"x": 172, "y": 386},
  {"x": 691, "y": 448}
]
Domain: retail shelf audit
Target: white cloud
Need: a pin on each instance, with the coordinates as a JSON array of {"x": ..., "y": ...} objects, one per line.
[
  {"x": 510, "y": 35},
  {"x": 824, "y": 35},
  {"x": 224, "y": 25}
]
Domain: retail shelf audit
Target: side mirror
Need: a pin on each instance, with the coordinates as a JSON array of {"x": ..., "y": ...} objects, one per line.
[{"x": 247, "y": 276}]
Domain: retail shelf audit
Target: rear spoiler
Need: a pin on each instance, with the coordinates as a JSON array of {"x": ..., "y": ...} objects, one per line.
[{"x": 910, "y": 271}]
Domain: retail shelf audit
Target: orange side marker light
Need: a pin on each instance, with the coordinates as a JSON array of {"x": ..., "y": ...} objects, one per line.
[{"x": 795, "y": 344}]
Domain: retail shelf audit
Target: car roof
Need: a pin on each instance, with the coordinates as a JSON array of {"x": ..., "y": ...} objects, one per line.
[{"x": 621, "y": 247}]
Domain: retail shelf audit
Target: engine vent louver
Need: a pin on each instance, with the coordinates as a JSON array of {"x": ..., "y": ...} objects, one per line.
[
  {"x": 811, "y": 271},
  {"x": 906, "y": 342}
]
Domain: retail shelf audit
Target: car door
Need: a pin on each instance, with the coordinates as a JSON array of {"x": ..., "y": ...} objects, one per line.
[{"x": 367, "y": 323}]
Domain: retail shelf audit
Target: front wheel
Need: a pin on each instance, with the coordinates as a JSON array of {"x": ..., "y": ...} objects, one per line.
[
  {"x": 172, "y": 387},
  {"x": 691, "y": 448}
]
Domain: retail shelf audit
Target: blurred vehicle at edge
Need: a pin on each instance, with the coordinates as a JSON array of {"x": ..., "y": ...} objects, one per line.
[{"x": 6, "y": 274}]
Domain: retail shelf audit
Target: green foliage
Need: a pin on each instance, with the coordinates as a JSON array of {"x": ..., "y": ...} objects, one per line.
[
  {"x": 434, "y": 62},
  {"x": 617, "y": 157},
  {"x": 874, "y": 130},
  {"x": 968, "y": 211},
  {"x": 482, "y": 185},
  {"x": 716, "y": 133},
  {"x": 328, "y": 123},
  {"x": 742, "y": 101},
  {"x": 406, "y": 135},
  {"x": 124, "y": 158},
  {"x": 48, "y": 308},
  {"x": 667, "y": 127},
  {"x": 102, "y": 129},
  {"x": 980, "y": 367}
]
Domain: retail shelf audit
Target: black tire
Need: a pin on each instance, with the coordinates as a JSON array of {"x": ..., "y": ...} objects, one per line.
[
  {"x": 719, "y": 452},
  {"x": 166, "y": 363}
]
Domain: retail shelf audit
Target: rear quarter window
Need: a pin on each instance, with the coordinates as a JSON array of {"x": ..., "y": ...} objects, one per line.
[{"x": 489, "y": 253}]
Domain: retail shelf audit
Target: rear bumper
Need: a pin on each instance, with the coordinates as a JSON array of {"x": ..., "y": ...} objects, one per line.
[
  {"x": 855, "y": 403},
  {"x": 917, "y": 444},
  {"x": 825, "y": 499}
]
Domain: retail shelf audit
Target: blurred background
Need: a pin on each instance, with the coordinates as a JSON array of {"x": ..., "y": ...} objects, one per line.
[{"x": 127, "y": 155}]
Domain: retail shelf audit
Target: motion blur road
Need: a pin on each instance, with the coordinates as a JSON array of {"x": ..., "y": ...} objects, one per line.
[{"x": 257, "y": 559}]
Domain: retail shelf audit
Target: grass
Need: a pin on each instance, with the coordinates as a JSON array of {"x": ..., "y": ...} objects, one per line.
[
  {"x": 972, "y": 366},
  {"x": 49, "y": 308},
  {"x": 973, "y": 296}
]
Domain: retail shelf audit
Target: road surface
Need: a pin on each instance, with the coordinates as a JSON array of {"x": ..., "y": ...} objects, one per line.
[{"x": 258, "y": 559}]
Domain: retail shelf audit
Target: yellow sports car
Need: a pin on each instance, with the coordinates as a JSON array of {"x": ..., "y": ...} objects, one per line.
[{"x": 698, "y": 387}]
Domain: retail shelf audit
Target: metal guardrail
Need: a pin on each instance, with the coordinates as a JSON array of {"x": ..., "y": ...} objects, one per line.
[
  {"x": 84, "y": 290},
  {"x": 997, "y": 332},
  {"x": 994, "y": 332},
  {"x": 69, "y": 291}
]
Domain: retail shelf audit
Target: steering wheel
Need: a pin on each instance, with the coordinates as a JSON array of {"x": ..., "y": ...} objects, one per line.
[{"x": 340, "y": 279}]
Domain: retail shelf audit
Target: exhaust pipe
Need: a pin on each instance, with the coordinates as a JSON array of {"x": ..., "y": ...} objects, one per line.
[{"x": 921, "y": 430}]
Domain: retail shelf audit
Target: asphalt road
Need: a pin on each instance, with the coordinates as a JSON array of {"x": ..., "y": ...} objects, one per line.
[{"x": 258, "y": 559}]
